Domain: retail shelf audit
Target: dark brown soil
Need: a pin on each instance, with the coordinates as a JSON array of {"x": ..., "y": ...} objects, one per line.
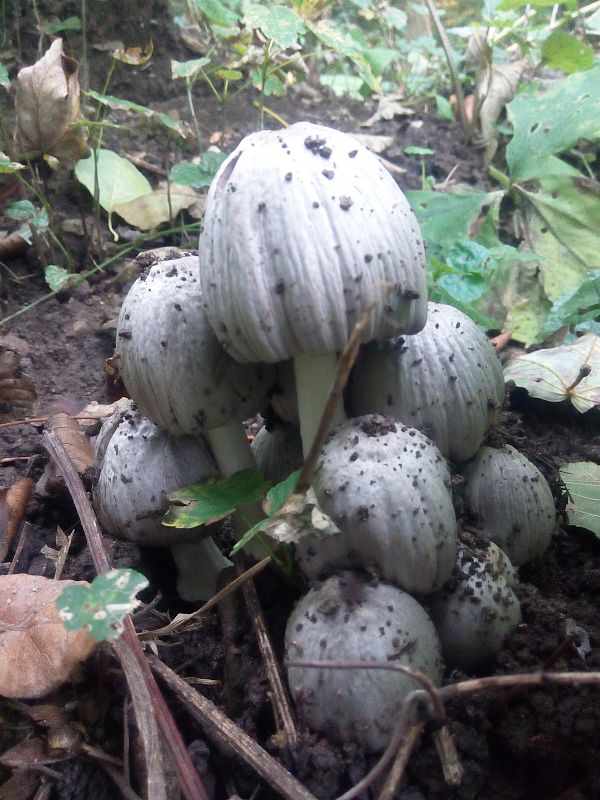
[{"x": 514, "y": 745}]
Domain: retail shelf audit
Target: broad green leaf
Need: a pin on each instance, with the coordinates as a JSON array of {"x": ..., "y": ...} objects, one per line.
[
  {"x": 510, "y": 5},
  {"x": 277, "y": 496},
  {"x": 577, "y": 306},
  {"x": 118, "y": 103},
  {"x": 559, "y": 373},
  {"x": 197, "y": 175},
  {"x": 20, "y": 210},
  {"x": 68, "y": 24},
  {"x": 278, "y": 23},
  {"x": 4, "y": 79},
  {"x": 564, "y": 51},
  {"x": 218, "y": 13},
  {"x": 188, "y": 69},
  {"x": 560, "y": 216},
  {"x": 215, "y": 499},
  {"x": 101, "y": 606},
  {"x": 380, "y": 58},
  {"x": 344, "y": 85},
  {"x": 341, "y": 43},
  {"x": 161, "y": 205},
  {"x": 582, "y": 479},
  {"x": 443, "y": 108},
  {"x": 526, "y": 319},
  {"x": 395, "y": 18},
  {"x": 119, "y": 181},
  {"x": 446, "y": 218},
  {"x": 549, "y": 119},
  {"x": 59, "y": 278}
]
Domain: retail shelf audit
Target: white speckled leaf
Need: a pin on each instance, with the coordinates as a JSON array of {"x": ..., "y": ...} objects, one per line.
[{"x": 582, "y": 480}]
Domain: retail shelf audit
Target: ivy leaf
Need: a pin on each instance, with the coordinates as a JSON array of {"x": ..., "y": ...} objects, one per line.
[
  {"x": 197, "y": 175},
  {"x": 278, "y": 23},
  {"x": 59, "y": 278},
  {"x": 582, "y": 480},
  {"x": 564, "y": 51},
  {"x": 214, "y": 499},
  {"x": 101, "y": 606}
]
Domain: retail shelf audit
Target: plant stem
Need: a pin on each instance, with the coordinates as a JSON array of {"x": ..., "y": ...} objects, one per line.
[
  {"x": 314, "y": 379},
  {"x": 499, "y": 176}
]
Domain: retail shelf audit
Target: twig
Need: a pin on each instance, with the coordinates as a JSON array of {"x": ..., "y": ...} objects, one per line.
[
  {"x": 225, "y": 733},
  {"x": 446, "y": 750},
  {"x": 396, "y": 773},
  {"x": 149, "y": 704},
  {"x": 23, "y": 533},
  {"x": 280, "y": 697},
  {"x": 447, "y": 47}
]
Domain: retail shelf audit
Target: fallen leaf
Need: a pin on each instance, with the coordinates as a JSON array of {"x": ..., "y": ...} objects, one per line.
[
  {"x": 582, "y": 479},
  {"x": 299, "y": 517},
  {"x": 495, "y": 87},
  {"x": 76, "y": 444},
  {"x": 135, "y": 56},
  {"x": 559, "y": 373},
  {"x": 376, "y": 144},
  {"x": 17, "y": 390},
  {"x": 37, "y": 653},
  {"x": 13, "y": 505},
  {"x": 47, "y": 106},
  {"x": 91, "y": 418},
  {"x": 388, "y": 107},
  {"x": 151, "y": 210}
]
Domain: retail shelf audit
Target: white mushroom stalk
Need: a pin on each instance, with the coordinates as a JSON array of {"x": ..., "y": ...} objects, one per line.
[
  {"x": 315, "y": 229},
  {"x": 177, "y": 372}
]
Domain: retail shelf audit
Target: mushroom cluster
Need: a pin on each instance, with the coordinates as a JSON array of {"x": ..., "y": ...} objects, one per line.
[{"x": 305, "y": 231}]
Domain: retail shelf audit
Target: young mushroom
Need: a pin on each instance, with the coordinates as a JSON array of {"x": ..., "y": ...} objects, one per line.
[
  {"x": 175, "y": 369},
  {"x": 277, "y": 448},
  {"x": 511, "y": 500},
  {"x": 446, "y": 381},
  {"x": 140, "y": 464},
  {"x": 387, "y": 488},
  {"x": 316, "y": 230},
  {"x": 477, "y": 608},
  {"x": 347, "y": 619}
]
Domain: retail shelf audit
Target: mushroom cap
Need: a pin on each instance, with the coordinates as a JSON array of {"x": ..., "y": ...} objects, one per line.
[
  {"x": 446, "y": 381},
  {"x": 346, "y": 619},
  {"x": 141, "y": 464},
  {"x": 278, "y": 451},
  {"x": 387, "y": 487},
  {"x": 511, "y": 500},
  {"x": 171, "y": 362},
  {"x": 477, "y": 608},
  {"x": 304, "y": 228}
]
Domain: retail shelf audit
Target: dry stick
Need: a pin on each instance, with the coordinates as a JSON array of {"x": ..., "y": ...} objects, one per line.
[
  {"x": 280, "y": 697},
  {"x": 447, "y": 47},
  {"x": 149, "y": 704},
  {"x": 396, "y": 773},
  {"x": 448, "y": 755},
  {"x": 226, "y": 734}
]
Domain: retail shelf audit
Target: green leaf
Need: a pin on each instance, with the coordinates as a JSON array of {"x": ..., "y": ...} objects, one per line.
[
  {"x": 511, "y": 5},
  {"x": 215, "y": 499},
  {"x": 582, "y": 479},
  {"x": 69, "y": 24},
  {"x": 277, "y": 496},
  {"x": 278, "y": 23},
  {"x": 557, "y": 374},
  {"x": 395, "y": 18},
  {"x": 344, "y": 85},
  {"x": 380, "y": 58},
  {"x": 560, "y": 218},
  {"x": 20, "y": 210},
  {"x": 577, "y": 306},
  {"x": 549, "y": 119},
  {"x": 218, "y": 13},
  {"x": 414, "y": 150},
  {"x": 188, "y": 69},
  {"x": 58, "y": 278},
  {"x": 118, "y": 103},
  {"x": 197, "y": 175},
  {"x": 9, "y": 167},
  {"x": 102, "y": 606},
  {"x": 229, "y": 74},
  {"x": 119, "y": 180},
  {"x": 564, "y": 51},
  {"x": 4, "y": 79},
  {"x": 443, "y": 108}
]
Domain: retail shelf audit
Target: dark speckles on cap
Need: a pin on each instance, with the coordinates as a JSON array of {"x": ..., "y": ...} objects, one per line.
[{"x": 329, "y": 174}]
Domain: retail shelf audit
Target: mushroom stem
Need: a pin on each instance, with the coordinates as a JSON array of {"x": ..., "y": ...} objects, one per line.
[
  {"x": 314, "y": 378},
  {"x": 230, "y": 448},
  {"x": 198, "y": 567}
]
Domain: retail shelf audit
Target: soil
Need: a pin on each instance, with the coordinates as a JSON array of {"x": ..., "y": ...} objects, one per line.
[{"x": 541, "y": 744}]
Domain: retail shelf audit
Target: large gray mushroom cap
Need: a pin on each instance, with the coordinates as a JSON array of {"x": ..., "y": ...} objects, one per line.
[
  {"x": 387, "y": 487},
  {"x": 348, "y": 620},
  {"x": 446, "y": 381},
  {"x": 511, "y": 500},
  {"x": 303, "y": 230},
  {"x": 171, "y": 362},
  {"x": 477, "y": 608}
]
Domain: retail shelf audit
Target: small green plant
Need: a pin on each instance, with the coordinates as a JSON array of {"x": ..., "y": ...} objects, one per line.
[{"x": 427, "y": 181}]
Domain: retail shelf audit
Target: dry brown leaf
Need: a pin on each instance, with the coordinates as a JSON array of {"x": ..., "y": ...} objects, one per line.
[
  {"x": 496, "y": 86},
  {"x": 47, "y": 105},
  {"x": 74, "y": 441},
  {"x": 135, "y": 56},
  {"x": 37, "y": 653},
  {"x": 95, "y": 414},
  {"x": 13, "y": 505},
  {"x": 388, "y": 107},
  {"x": 17, "y": 390},
  {"x": 151, "y": 210}
]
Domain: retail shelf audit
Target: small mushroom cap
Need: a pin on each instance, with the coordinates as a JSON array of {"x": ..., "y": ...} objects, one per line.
[
  {"x": 387, "y": 487},
  {"x": 346, "y": 619},
  {"x": 141, "y": 465},
  {"x": 314, "y": 229},
  {"x": 477, "y": 608},
  {"x": 446, "y": 381},
  {"x": 172, "y": 363},
  {"x": 511, "y": 500}
]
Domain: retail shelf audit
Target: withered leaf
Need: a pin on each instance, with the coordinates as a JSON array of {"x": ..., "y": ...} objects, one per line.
[
  {"x": 13, "y": 505},
  {"x": 17, "y": 390},
  {"x": 47, "y": 104}
]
